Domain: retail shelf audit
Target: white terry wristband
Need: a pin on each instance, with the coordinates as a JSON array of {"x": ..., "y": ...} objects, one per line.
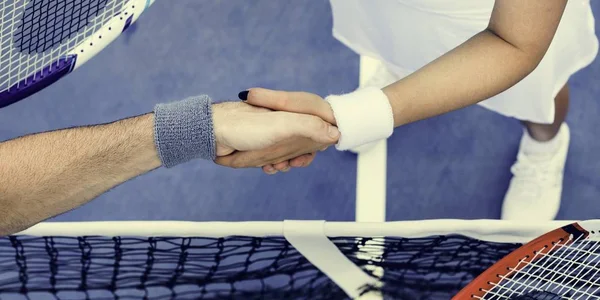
[{"x": 362, "y": 117}]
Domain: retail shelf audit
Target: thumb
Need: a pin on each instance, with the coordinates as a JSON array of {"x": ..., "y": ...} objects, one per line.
[
  {"x": 297, "y": 102},
  {"x": 308, "y": 126}
]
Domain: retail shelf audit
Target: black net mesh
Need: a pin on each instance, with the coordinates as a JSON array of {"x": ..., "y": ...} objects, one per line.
[
  {"x": 230, "y": 268},
  {"x": 436, "y": 268},
  {"x": 46, "y": 24}
]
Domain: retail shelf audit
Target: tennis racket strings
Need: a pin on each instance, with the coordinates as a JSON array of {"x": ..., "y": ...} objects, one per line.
[
  {"x": 561, "y": 264},
  {"x": 569, "y": 269},
  {"x": 43, "y": 40}
]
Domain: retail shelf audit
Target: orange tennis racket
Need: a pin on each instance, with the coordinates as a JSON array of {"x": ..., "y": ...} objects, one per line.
[{"x": 561, "y": 264}]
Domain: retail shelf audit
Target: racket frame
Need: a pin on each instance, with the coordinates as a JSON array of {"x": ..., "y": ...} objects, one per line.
[
  {"x": 76, "y": 57},
  {"x": 520, "y": 258}
]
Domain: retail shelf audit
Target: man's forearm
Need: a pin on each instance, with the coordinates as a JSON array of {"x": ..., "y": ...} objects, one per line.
[
  {"x": 482, "y": 67},
  {"x": 46, "y": 174}
]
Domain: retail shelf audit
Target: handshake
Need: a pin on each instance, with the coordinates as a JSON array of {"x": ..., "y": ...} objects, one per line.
[{"x": 273, "y": 130}]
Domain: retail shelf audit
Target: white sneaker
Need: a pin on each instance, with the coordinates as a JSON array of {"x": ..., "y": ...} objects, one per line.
[
  {"x": 535, "y": 190},
  {"x": 381, "y": 78}
]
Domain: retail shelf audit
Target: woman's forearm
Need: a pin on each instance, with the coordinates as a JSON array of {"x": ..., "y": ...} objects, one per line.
[
  {"x": 517, "y": 38},
  {"x": 45, "y": 174},
  {"x": 482, "y": 67}
]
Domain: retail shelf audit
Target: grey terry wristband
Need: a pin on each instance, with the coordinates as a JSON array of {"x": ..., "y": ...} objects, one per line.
[{"x": 183, "y": 131}]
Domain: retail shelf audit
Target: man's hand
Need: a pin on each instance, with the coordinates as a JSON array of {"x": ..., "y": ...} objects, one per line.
[
  {"x": 249, "y": 136},
  {"x": 296, "y": 102}
]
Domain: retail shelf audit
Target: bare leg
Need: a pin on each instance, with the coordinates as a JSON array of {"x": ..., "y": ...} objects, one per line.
[
  {"x": 536, "y": 187},
  {"x": 545, "y": 132}
]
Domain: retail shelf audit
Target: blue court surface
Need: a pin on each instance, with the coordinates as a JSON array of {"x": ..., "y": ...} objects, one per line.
[{"x": 452, "y": 166}]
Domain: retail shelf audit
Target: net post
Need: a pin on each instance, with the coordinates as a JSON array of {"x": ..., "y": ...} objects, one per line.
[{"x": 371, "y": 169}]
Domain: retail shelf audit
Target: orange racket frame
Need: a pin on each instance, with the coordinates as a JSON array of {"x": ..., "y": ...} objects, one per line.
[{"x": 518, "y": 259}]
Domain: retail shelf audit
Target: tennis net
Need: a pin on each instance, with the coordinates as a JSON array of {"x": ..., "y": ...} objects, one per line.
[{"x": 430, "y": 259}]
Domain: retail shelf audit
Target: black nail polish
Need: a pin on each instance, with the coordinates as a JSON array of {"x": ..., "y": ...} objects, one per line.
[{"x": 243, "y": 95}]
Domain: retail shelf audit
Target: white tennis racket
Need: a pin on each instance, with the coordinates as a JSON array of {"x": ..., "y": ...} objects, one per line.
[
  {"x": 41, "y": 41},
  {"x": 561, "y": 264}
]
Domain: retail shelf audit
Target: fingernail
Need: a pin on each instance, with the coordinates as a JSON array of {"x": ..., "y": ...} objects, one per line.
[
  {"x": 243, "y": 95},
  {"x": 269, "y": 169},
  {"x": 333, "y": 132}
]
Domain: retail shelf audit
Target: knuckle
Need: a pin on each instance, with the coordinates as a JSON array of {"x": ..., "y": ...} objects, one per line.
[{"x": 318, "y": 124}]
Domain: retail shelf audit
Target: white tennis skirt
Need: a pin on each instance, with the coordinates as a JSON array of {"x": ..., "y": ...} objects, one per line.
[{"x": 407, "y": 34}]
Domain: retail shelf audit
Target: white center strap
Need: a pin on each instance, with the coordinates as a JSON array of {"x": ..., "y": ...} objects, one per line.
[
  {"x": 308, "y": 237},
  {"x": 362, "y": 117}
]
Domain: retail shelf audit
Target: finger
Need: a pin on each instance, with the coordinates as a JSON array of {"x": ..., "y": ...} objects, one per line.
[
  {"x": 253, "y": 159},
  {"x": 239, "y": 160},
  {"x": 298, "y": 102},
  {"x": 269, "y": 169},
  {"x": 273, "y": 155},
  {"x": 298, "y": 162},
  {"x": 282, "y": 166},
  {"x": 303, "y": 161},
  {"x": 293, "y": 125},
  {"x": 310, "y": 159}
]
